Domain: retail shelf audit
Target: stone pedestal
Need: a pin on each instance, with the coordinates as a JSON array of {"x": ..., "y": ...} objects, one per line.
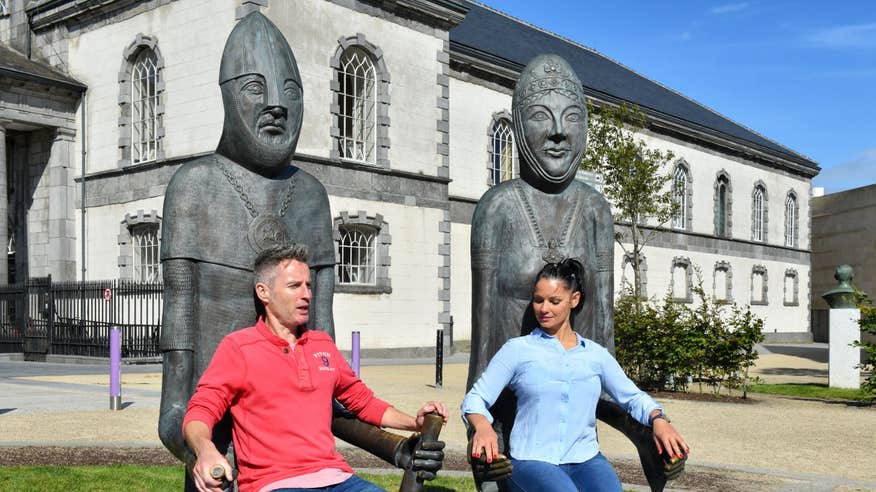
[{"x": 843, "y": 358}]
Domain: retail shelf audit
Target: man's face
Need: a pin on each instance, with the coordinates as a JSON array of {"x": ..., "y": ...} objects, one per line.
[
  {"x": 289, "y": 294},
  {"x": 555, "y": 130},
  {"x": 270, "y": 109}
]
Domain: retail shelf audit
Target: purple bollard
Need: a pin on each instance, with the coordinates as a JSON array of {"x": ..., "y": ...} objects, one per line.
[
  {"x": 355, "y": 353},
  {"x": 115, "y": 368}
]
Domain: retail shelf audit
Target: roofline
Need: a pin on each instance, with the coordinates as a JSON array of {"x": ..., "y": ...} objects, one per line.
[
  {"x": 491, "y": 67},
  {"x": 30, "y": 77}
]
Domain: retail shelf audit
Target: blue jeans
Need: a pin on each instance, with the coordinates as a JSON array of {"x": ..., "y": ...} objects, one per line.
[
  {"x": 594, "y": 475},
  {"x": 352, "y": 484}
]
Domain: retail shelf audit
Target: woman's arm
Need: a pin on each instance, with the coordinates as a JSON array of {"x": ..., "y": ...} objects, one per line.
[{"x": 476, "y": 404}]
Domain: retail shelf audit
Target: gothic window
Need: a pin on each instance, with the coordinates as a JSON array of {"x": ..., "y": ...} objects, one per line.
[
  {"x": 791, "y": 288},
  {"x": 139, "y": 247},
  {"x": 4, "y": 9},
  {"x": 362, "y": 253},
  {"x": 680, "y": 283},
  {"x": 141, "y": 89},
  {"x": 502, "y": 152},
  {"x": 681, "y": 195},
  {"x": 759, "y": 213},
  {"x": 144, "y": 242},
  {"x": 722, "y": 282},
  {"x": 360, "y": 108},
  {"x": 791, "y": 221},
  {"x": 759, "y": 285},
  {"x": 723, "y": 206}
]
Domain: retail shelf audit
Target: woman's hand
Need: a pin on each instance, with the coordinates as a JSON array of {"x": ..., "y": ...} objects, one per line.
[
  {"x": 668, "y": 439},
  {"x": 429, "y": 407},
  {"x": 485, "y": 439}
]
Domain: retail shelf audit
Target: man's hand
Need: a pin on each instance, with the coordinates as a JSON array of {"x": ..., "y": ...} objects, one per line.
[
  {"x": 429, "y": 407},
  {"x": 211, "y": 470},
  {"x": 495, "y": 470},
  {"x": 425, "y": 457}
]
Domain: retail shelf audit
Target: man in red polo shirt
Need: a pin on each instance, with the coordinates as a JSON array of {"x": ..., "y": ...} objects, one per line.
[{"x": 278, "y": 379}]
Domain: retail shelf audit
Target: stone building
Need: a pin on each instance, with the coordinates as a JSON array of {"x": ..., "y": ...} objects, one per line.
[{"x": 406, "y": 122}]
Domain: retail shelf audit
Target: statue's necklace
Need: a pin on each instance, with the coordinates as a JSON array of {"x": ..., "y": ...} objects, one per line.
[
  {"x": 266, "y": 229},
  {"x": 553, "y": 254}
]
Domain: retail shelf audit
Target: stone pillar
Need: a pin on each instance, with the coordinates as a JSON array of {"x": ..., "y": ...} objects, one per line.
[
  {"x": 845, "y": 328},
  {"x": 4, "y": 209},
  {"x": 843, "y": 359},
  {"x": 61, "y": 251}
]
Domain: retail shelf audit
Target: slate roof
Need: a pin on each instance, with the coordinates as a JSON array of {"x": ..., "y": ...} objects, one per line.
[
  {"x": 510, "y": 43},
  {"x": 15, "y": 65}
]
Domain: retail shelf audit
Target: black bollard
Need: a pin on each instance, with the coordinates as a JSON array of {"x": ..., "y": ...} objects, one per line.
[{"x": 439, "y": 359}]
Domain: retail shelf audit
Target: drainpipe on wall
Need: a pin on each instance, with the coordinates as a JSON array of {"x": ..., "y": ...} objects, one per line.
[{"x": 84, "y": 151}]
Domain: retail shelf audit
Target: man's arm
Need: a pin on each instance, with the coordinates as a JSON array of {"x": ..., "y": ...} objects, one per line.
[
  {"x": 199, "y": 438},
  {"x": 395, "y": 419}
]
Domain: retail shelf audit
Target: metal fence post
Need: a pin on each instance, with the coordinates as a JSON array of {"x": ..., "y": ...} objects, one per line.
[
  {"x": 355, "y": 353},
  {"x": 439, "y": 358}
]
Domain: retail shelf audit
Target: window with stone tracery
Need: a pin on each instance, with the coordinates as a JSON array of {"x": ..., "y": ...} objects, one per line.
[
  {"x": 502, "y": 151},
  {"x": 4, "y": 9},
  {"x": 144, "y": 107},
  {"x": 145, "y": 247},
  {"x": 791, "y": 223},
  {"x": 356, "y": 255},
  {"x": 358, "y": 106},
  {"x": 681, "y": 190}
]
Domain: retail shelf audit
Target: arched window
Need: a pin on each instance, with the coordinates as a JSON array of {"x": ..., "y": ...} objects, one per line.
[
  {"x": 759, "y": 213},
  {"x": 723, "y": 206},
  {"x": 141, "y": 91},
  {"x": 357, "y": 254},
  {"x": 628, "y": 275},
  {"x": 722, "y": 282},
  {"x": 502, "y": 151},
  {"x": 358, "y": 100},
  {"x": 681, "y": 195},
  {"x": 759, "y": 285},
  {"x": 791, "y": 224},
  {"x": 362, "y": 254},
  {"x": 361, "y": 103},
  {"x": 791, "y": 288},
  {"x": 681, "y": 281},
  {"x": 139, "y": 246}
]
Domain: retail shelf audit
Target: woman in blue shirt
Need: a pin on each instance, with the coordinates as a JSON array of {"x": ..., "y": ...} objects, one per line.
[{"x": 558, "y": 377}]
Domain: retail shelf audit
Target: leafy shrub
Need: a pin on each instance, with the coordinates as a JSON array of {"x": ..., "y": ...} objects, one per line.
[{"x": 667, "y": 346}]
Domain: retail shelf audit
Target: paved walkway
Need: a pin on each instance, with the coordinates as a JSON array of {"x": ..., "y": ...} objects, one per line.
[{"x": 772, "y": 443}]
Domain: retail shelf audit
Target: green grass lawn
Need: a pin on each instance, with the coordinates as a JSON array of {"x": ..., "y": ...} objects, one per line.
[
  {"x": 154, "y": 479},
  {"x": 811, "y": 390}
]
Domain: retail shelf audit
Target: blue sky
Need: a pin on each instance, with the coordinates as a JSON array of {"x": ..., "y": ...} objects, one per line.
[{"x": 802, "y": 73}]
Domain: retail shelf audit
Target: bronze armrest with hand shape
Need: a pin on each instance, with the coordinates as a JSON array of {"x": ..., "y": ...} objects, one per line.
[
  {"x": 423, "y": 456},
  {"x": 658, "y": 468}
]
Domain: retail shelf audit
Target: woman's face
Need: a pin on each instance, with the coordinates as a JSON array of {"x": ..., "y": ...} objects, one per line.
[{"x": 552, "y": 303}]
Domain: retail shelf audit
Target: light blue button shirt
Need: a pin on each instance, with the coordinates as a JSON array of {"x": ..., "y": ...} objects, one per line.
[{"x": 557, "y": 391}]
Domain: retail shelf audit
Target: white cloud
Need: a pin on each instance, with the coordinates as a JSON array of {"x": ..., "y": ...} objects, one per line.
[
  {"x": 860, "y": 171},
  {"x": 849, "y": 36},
  {"x": 729, "y": 8}
]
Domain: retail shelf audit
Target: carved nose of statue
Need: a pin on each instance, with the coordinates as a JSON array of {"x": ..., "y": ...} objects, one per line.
[
  {"x": 558, "y": 132},
  {"x": 273, "y": 95}
]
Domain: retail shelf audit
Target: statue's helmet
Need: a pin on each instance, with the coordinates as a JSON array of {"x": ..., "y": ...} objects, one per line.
[
  {"x": 550, "y": 122},
  {"x": 262, "y": 95}
]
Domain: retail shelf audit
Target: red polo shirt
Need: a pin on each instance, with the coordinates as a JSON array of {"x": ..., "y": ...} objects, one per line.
[{"x": 280, "y": 398}]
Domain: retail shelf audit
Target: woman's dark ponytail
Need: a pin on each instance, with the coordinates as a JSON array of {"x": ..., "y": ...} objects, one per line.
[{"x": 570, "y": 271}]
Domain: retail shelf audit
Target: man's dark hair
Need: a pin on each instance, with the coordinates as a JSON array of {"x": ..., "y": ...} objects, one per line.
[{"x": 265, "y": 263}]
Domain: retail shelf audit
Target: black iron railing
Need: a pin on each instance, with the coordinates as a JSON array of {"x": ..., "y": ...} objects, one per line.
[{"x": 74, "y": 318}]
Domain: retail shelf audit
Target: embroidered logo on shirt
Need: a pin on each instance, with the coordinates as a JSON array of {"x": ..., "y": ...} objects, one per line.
[{"x": 325, "y": 359}]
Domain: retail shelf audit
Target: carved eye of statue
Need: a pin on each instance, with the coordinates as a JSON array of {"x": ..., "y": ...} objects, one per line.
[
  {"x": 539, "y": 115},
  {"x": 574, "y": 116},
  {"x": 292, "y": 91},
  {"x": 254, "y": 87}
]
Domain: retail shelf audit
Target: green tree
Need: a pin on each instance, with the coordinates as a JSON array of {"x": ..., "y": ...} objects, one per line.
[{"x": 636, "y": 178}]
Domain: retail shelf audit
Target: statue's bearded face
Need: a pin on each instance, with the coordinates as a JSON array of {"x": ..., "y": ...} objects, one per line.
[
  {"x": 555, "y": 132},
  {"x": 270, "y": 110}
]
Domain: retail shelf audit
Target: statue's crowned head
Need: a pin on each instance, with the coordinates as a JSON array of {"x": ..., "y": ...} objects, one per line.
[
  {"x": 262, "y": 95},
  {"x": 550, "y": 122}
]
